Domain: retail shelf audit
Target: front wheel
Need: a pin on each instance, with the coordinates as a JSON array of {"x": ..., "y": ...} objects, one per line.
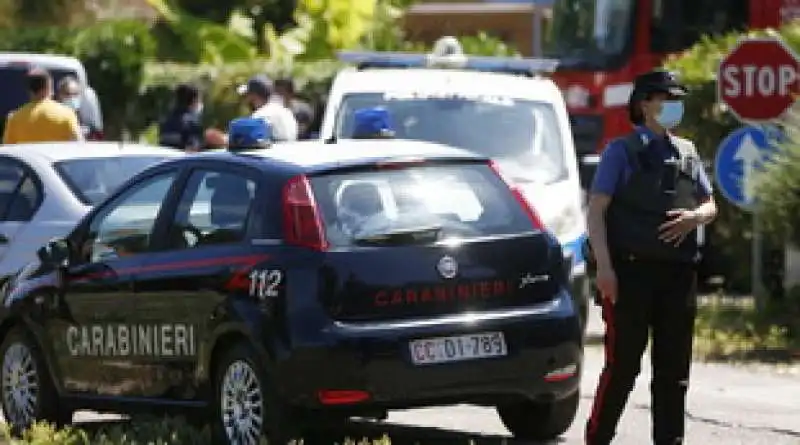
[
  {"x": 27, "y": 391},
  {"x": 540, "y": 421},
  {"x": 248, "y": 408}
]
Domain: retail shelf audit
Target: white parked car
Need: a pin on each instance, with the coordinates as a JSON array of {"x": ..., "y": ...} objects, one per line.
[
  {"x": 46, "y": 188},
  {"x": 503, "y": 108}
]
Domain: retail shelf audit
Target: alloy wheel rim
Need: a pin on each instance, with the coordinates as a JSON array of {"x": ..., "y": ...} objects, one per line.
[
  {"x": 242, "y": 404},
  {"x": 20, "y": 385}
]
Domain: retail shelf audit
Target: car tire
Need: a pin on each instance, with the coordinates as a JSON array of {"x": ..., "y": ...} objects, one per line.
[
  {"x": 27, "y": 392},
  {"x": 540, "y": 421},
  {"x": 238, "y": 374}
]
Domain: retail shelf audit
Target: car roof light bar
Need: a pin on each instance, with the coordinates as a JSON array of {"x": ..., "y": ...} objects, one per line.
[{"x": 447, "y": 53}]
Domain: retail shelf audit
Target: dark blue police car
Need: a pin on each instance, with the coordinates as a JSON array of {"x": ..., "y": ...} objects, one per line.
[{"x": 261, "y": 289}]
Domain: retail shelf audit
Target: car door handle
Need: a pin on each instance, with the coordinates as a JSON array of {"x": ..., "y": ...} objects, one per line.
[{"x": 3, "y": 239}]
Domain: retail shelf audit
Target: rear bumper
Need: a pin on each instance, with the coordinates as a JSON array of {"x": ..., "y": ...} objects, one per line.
[{"x": 375, "y": 358}]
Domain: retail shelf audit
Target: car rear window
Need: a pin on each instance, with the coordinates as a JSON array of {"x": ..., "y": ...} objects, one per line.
[
  {"x": 461, "y": 200},
  {"x": 93, "y": 179}
]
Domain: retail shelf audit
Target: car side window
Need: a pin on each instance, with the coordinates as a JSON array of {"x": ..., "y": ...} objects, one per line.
[
  {"x": 20, "y": 195},
  {"x": 25, "y": 202},
  {"x": 214, "y": 209},
  {"x": 124, "y": 228}
]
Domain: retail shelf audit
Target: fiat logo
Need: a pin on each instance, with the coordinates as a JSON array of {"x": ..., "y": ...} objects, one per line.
[{"x": 447, "y": 267}]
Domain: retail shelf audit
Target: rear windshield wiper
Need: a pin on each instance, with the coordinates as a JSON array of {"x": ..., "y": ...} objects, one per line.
[{"x": 414, "y": 235}]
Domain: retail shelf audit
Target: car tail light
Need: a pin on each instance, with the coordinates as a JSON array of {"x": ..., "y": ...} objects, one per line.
[
  {"x": 535, "y": 220},
  {"x": 302, "y": 224}
]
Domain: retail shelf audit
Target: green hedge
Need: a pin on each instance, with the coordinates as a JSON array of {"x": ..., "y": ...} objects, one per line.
[
  {"x": 166, "y": 431},
  {"x": 707, "y": 122},
  {"x": 114, "y": 54}
]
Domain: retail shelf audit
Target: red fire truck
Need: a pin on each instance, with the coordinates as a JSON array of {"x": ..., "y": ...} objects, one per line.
[{"x": 603, "y": 44}]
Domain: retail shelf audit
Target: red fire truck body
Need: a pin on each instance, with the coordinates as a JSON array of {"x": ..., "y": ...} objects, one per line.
[{"x": 604, "y": 44}]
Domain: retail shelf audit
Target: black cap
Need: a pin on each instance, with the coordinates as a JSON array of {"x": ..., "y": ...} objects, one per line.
[
  {"x": 658, "y": 81},
  {"x": 259, "y": 84}
]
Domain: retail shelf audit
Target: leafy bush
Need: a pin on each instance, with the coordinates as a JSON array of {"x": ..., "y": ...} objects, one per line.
[
  {"x": 172, "y": 431},
  {"x": 707, "y": 122},
  {"x": 219, "y": 82},
  {"x": 779, "y": 186},
  {"x": 113, "y": 52}
]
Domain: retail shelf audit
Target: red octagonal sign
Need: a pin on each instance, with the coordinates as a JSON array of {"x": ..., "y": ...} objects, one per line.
[{"x": 759, "y": 79}]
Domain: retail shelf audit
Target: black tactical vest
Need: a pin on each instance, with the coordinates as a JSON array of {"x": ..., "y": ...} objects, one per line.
[{"x": 639, "y": 206}]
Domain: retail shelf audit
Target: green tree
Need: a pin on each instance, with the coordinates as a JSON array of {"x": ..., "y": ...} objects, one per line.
[
  {"x": 278, "y": 13},
  {"x": 48, "y": 12},
  {"x": 778, "y": 185}
]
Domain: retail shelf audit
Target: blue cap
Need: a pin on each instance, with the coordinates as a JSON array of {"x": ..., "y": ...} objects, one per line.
[
  {"x": 372, "y": 122},
  {"x": 248, "y": 132}
]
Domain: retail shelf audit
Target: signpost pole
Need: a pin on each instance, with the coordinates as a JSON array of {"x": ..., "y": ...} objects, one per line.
[
  {"x": 757, "y": 258},
  {"x": 758, "y": 80}
]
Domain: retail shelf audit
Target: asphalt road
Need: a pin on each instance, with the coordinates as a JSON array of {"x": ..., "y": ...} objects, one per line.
[{"x": 728, "y": 405}]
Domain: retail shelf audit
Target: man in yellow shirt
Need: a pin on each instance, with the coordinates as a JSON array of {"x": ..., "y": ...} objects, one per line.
[{"x": 42, "y": 119}]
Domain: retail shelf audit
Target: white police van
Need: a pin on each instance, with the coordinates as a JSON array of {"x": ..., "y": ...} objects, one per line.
[{"x": 504, "y": 108}]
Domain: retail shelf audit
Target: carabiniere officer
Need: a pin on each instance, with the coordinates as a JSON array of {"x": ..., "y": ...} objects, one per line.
[{"x": 649, "y": 196}]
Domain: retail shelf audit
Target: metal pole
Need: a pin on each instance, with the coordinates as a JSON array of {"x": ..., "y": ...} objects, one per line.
[{"x": 757, "y": 281}]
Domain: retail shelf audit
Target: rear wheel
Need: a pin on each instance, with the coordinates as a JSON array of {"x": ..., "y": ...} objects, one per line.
[
  {"x": 26, "y": 388},
  {"x": 247, "y": 407},
  {"x": 540, "y": 421}
]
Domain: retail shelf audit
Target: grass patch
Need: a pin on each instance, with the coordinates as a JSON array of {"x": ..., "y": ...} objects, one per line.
[
  {"x": 144, "y": 431},
  {"x": 734, "y": 330}
]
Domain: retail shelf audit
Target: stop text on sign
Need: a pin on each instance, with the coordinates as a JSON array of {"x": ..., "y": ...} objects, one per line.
[{"x": 754, "y": 80}]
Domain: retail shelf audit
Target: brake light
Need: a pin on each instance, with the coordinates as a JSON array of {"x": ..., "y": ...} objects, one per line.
[
  {"x": 302, "y": 224},
  {"x": 526, "y": 206}
]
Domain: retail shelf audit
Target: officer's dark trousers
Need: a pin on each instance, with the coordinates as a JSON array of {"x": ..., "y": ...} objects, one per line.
[{"x": 657, "y": 298}]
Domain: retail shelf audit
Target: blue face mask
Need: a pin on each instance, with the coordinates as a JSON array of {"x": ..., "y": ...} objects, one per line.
[
  {"x": 73, "y": 102},
  {"x": 671, "y": 114}
]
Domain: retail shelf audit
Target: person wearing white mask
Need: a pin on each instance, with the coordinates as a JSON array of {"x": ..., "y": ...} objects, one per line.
[
  {"x": 68, "y": 92},
  {"x": 258, "y": 93}
]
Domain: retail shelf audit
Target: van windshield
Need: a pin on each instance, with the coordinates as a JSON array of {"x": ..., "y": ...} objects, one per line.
[
  {"x": 522, "y": 136},
  {"x": 14, "y": 90}
]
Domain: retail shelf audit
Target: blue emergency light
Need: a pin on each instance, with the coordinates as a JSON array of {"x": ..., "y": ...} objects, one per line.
[
  {"x": 247, "y": 133},
  {"x": 447, "y": 53}
]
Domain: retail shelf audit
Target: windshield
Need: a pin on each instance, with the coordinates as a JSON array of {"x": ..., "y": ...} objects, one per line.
[
  {"x": 14, "y": 89},
  {"x": 589, "y": 32},
  {"x": 93, "y": 179},
  {"x": 365, "y": 207},
  {"x": 522, "y": 136}
]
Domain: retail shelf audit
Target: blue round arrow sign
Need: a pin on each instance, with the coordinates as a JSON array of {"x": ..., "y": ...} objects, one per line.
[{"x": 740, "y": 155}]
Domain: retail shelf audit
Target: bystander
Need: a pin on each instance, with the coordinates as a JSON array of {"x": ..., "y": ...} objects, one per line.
[{"x": 42, "y": 119}]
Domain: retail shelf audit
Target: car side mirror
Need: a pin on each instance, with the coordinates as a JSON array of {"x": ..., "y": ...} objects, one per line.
[
  {"x": 587, "y": 167},
  {"x": 55, "y": 253}
]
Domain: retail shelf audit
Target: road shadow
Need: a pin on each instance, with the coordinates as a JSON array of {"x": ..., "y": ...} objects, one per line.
[
  {"x": 357, "y": 430},
  {"x": 409, "y": 435}
]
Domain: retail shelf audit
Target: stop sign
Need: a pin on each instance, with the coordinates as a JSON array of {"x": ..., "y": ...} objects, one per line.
[{"x": 759, "y": 79}]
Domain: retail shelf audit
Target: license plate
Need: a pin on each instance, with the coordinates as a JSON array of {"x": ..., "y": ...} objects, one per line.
[{"x": 457, "y": 348}]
